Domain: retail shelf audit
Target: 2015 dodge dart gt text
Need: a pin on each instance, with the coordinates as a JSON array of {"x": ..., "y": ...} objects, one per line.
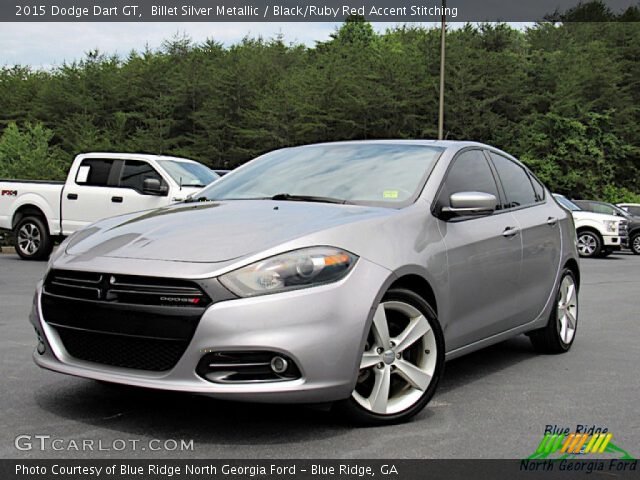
[{"x": 340, "y": 272}]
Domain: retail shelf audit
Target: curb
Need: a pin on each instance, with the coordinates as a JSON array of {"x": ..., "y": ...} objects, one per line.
[{"x": 7, "y": 250}]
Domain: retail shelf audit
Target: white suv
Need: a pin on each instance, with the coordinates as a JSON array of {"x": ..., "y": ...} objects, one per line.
[{"x": 598, "y": 234}]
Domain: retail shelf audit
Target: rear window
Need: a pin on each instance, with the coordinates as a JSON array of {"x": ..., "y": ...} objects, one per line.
[
  {"x": 95, "y": 172},
  {"x": 515, "y": 181}
]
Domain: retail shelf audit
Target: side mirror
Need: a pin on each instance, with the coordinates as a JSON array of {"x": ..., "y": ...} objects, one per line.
[
  {"x": 470, "y": 203},
  {"x": 152, "y": 186}
]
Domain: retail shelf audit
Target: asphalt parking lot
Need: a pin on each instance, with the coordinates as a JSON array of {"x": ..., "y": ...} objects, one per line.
[{"x": 491, "y": 404}]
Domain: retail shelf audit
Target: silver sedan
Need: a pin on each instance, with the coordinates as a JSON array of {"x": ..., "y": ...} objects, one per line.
[{"x": 341, "y": 272}]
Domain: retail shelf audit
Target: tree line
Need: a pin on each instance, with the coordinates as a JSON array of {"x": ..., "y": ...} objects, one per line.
[{"x": 564, "y": 97}]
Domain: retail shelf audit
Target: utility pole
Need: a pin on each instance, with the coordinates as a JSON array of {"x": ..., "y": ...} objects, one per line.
[{"x": 442, "y": 43}]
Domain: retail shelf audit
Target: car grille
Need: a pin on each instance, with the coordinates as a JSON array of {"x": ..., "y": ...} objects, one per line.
[
  {"x": 121, "y": 351},
  {"x": 129, "y": 289},
  {"x": 137, "y": 322},
  {"x": 623, "y": 228}
]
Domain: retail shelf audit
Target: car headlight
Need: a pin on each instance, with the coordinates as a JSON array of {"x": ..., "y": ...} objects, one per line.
[
  {"x": 611, "y": 226},
  {"x": 290, "y": 271}
]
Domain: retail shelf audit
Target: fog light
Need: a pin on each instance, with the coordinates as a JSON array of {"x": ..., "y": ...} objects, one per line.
[
  {"x": 41, "y": 346},
  {"x": 279, "y": 365}
]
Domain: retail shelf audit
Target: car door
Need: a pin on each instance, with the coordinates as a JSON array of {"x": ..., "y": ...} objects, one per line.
[
  {"x": 129, "y": 195},
  {"x": 539, "y": 225},
  {"x": 86, "y": 199},
  {"x": 484, "y": 256}
]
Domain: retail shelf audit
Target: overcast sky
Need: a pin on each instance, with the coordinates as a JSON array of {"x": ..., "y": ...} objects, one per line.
[{"x": 44, "y": 45}]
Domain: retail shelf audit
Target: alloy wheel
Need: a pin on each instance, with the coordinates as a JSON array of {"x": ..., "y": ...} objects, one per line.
[
  {"x": 635, "y": 246},
  {"x": 399, "y": 360},
  {"x": 587, "y": 244},
  {"x": 567, "y": 310},
  {"x": 29, "y": 239}
]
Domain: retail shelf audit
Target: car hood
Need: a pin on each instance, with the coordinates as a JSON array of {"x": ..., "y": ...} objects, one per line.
[
  {"x": 212, "y": 231},
  {"x": 583, "y": 214}
]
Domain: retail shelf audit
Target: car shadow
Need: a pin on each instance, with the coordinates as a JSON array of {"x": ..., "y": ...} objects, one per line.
[
  {"x": 474, "y": 367},
  {"x": 141, "y": 412}
]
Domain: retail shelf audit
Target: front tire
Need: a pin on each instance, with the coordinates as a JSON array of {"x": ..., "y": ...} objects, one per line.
[
  {"x": 589, "y": 244},
  {"x": 560, "y": 332},
  {"x": 402, "y": 362},
  {"x": 32, "y": 239},
  {"x": 634, "y": 243}
]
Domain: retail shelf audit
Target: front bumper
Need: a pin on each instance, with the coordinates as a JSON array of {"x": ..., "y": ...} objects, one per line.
[
  {"x": 321, "y": 328},
  {"x": 615, "y": 242}
]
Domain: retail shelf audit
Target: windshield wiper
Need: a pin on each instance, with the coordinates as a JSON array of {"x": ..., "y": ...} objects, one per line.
[
  {"x": 194, "y": 199},
  {"x": 308, "y": 198}
]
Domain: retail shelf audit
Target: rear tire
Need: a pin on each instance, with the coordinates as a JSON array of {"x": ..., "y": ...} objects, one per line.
[
  {"x": 589, "y": 244},
  {"x": 32, "y": 239},
  {"x": 402, "y": 363},
  {"x": 634, "y": 244},
  {"x": 560, "y": 332}
]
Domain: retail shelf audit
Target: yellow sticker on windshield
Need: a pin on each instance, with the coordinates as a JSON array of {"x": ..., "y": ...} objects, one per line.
[{"x": 390, "y": 194}]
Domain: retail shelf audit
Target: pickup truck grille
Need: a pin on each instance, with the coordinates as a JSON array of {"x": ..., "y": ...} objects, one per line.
[
  {"x": 623, "y": 228},
  {"x": 144, "y": 323}
]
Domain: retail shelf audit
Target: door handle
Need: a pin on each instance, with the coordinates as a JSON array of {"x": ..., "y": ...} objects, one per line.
[
  {"x": 510, "y": 232},
  {"x": 551, "y": 221},
  {"x": 72, "y": 196},
  {"x": 116, "y": 199}
]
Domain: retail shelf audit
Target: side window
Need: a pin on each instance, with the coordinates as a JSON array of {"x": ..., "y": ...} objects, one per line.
[
  {"x": 515, "y": 181},
  {"x": 135, "y": 172},
  {"x": 537, "y": 188},
  {"x": 94, "y": 172},
  {"x": 470, "y": 173},
  {"x": 599, "y": 208}
]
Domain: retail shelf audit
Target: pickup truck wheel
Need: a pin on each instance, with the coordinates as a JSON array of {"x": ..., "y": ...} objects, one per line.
[
  {"x": 33, "y": 241},
  {"x": 635, "y": 244},
  {"x": 589, "y": 244}
]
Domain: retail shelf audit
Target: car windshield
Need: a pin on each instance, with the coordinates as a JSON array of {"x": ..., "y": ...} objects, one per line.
[
  {"x": 365, "y": 173},
  {"x": 189, "y": 174},
  {"x": 621, "y": 211},
  {"x": 565, "y": 202}
]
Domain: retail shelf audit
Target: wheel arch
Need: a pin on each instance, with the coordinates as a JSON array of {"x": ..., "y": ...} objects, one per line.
[
  {"x": 593, "y": 230},
  {"x": 27, "y": 210},
  {"x": 572, "y": 264},
  {"x": 587, "y": 228},
  {"x": 418, "y": 285}
]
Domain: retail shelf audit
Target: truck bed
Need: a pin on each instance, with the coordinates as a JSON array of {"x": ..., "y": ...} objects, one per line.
[
  {"x": 53, "y": 182},
  {"x": 45, "y": 196}
]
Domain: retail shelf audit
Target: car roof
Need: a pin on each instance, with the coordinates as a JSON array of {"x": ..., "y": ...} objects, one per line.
[
  {"x": 133, "y": 156},
  {"x": 424, "y": 142},
  {"x": 445, "y": 144},
  {"x": 593, "y": 201}
]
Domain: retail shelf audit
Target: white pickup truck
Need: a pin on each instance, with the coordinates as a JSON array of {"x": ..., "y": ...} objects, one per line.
[
  {"x": 598, "y": 234},
  {"x": 99, "y": 185}
]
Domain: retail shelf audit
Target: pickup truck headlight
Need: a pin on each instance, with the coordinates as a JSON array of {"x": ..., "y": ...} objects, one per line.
[
  {"x": 611, "y": 226},
  {"x": 290, "y": 271}
]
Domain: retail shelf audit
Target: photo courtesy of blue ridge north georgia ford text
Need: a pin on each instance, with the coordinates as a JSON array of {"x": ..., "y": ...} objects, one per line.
[{"x": 319, "y": 239}]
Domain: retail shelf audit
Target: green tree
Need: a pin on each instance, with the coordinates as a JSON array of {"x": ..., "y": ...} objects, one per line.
[{"x": 27, "y": 153}]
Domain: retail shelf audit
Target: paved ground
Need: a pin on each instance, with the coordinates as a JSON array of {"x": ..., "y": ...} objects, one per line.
[{"x": 491, "y": 404}]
